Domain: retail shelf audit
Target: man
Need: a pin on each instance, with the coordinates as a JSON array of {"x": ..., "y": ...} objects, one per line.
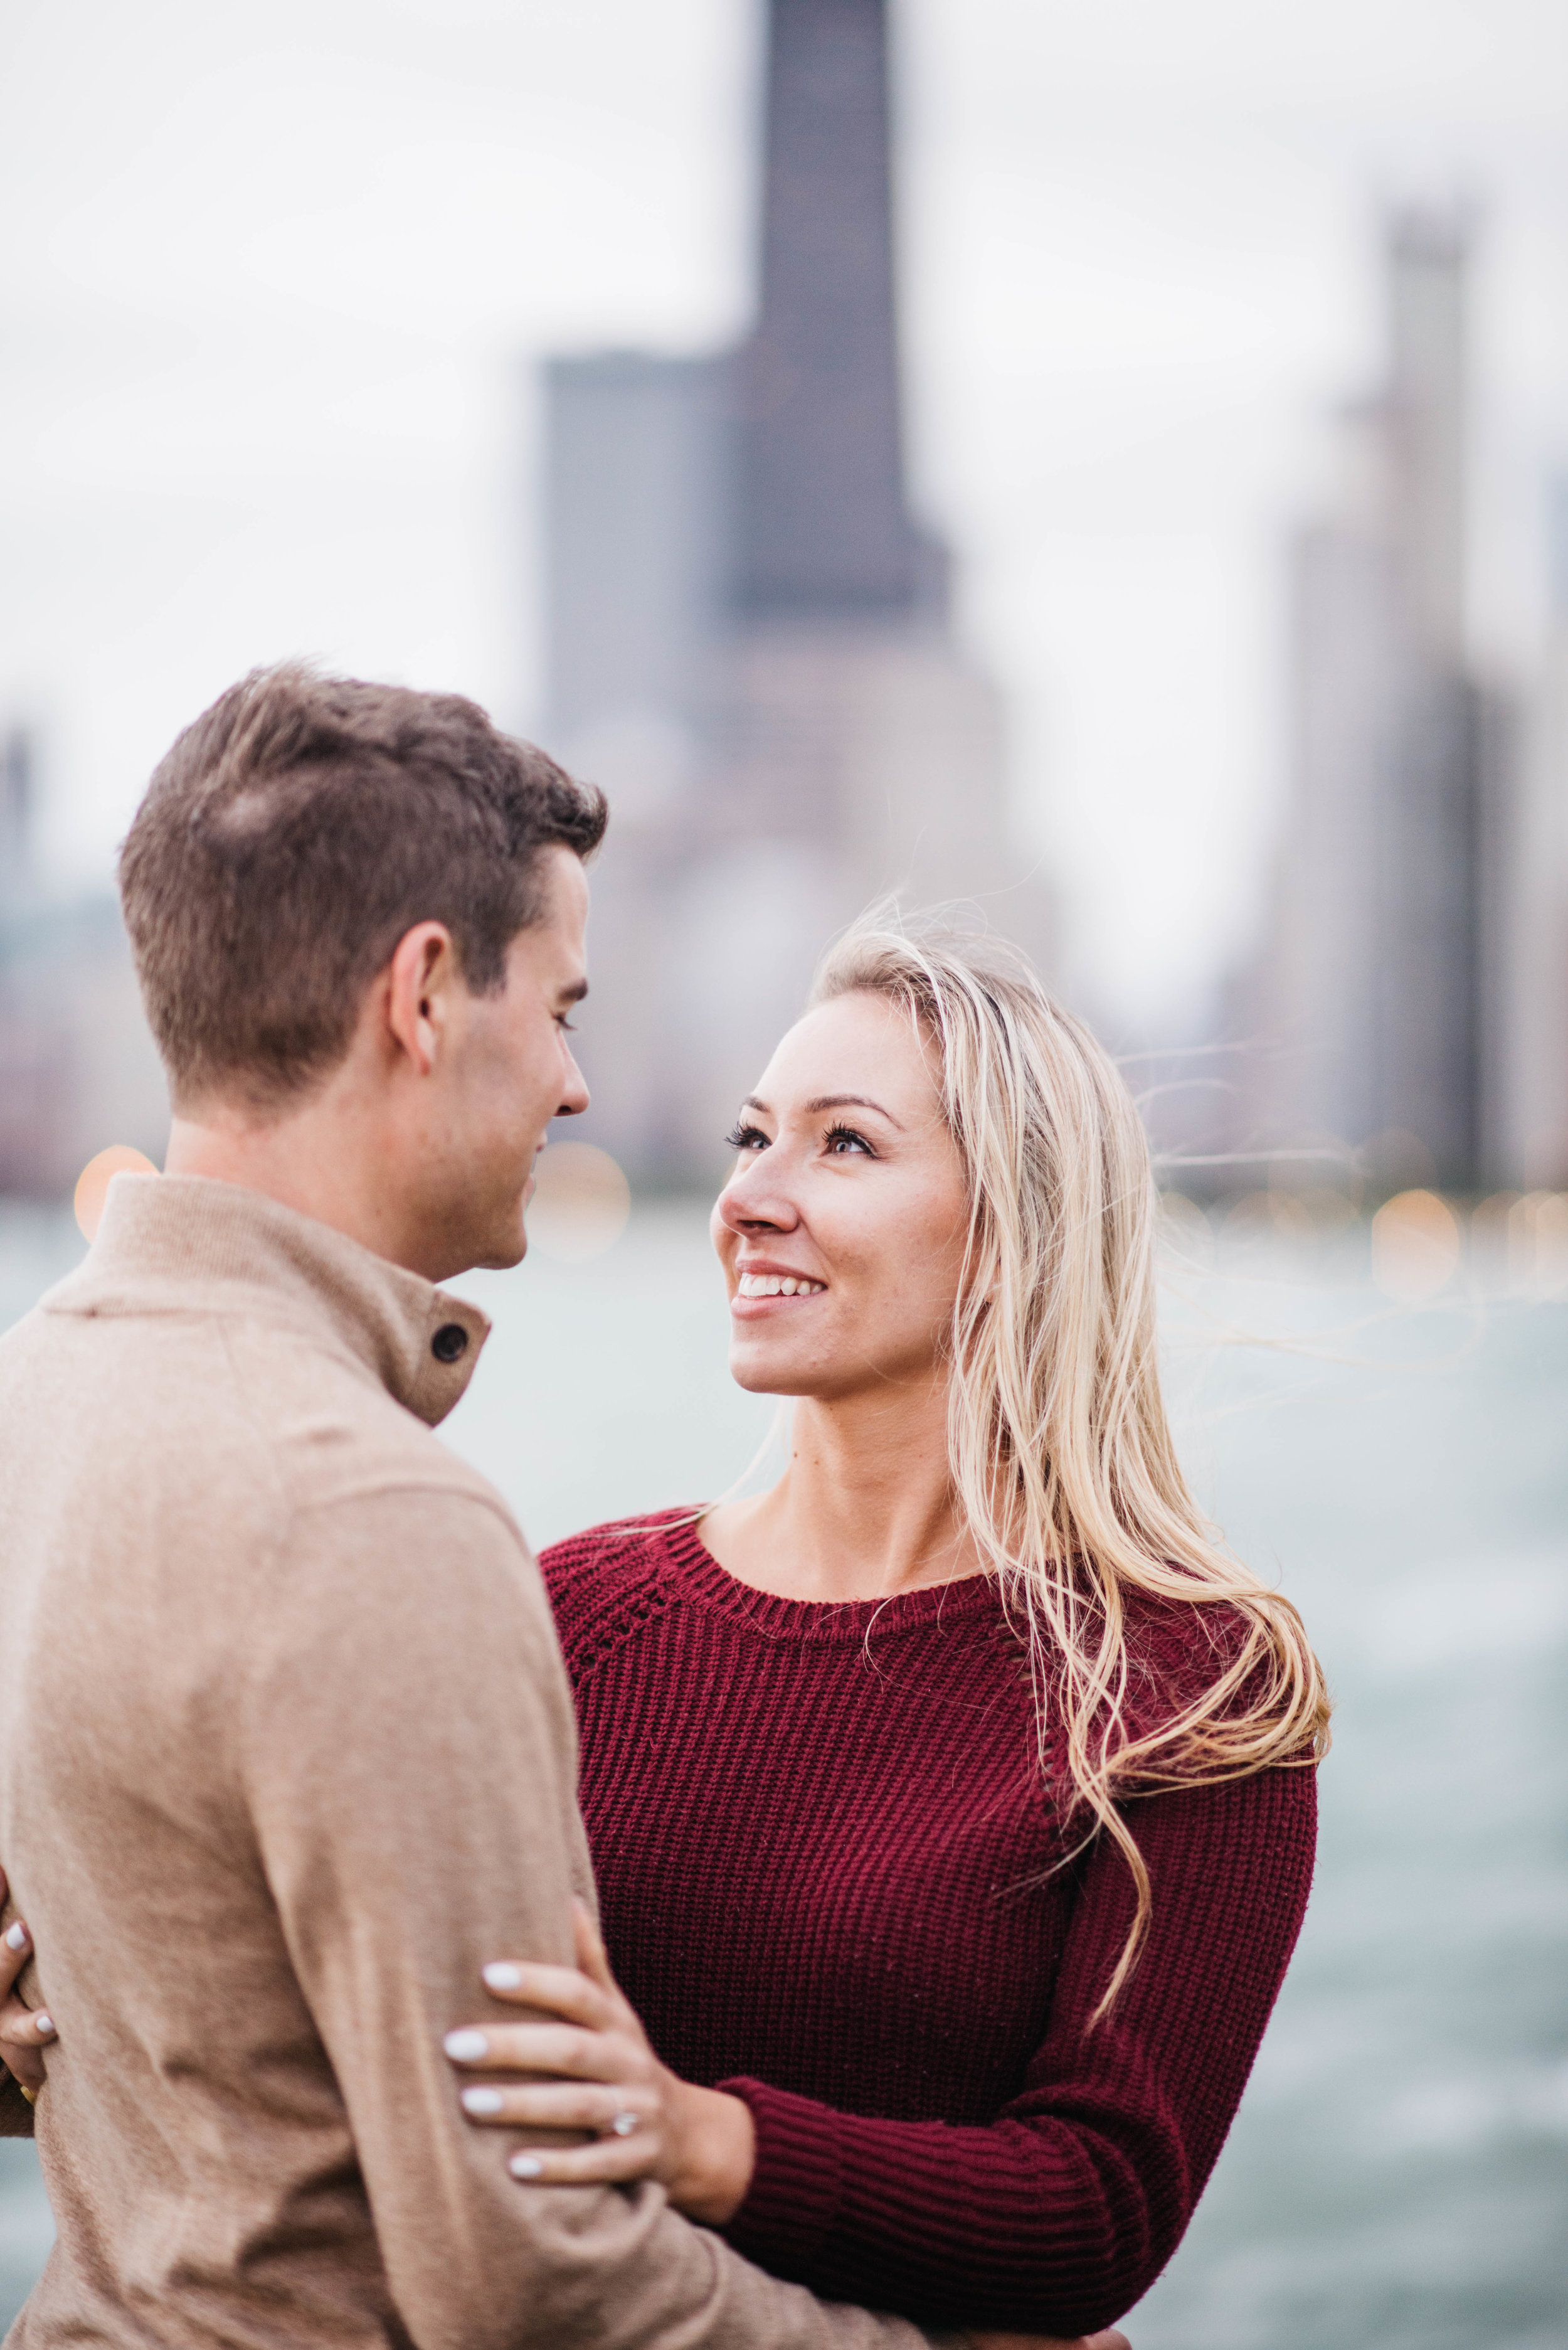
[{"x": 286, "y": 1749}]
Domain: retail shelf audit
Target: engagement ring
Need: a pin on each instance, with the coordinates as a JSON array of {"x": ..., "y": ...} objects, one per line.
[{"x": 623, "y": 2125}]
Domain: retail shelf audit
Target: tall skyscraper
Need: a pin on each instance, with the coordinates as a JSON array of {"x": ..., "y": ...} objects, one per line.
[
  {"x": 822, "y": 520},
  {"x": 1531, "y": 1088},
  {"x": 1376, "y": 985},
  {"x": 15, "y": 815},
  {"x": 748, "y": 636}
]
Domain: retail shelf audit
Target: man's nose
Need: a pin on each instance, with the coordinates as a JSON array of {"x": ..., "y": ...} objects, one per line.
[{"x": 575, "y": 1099}]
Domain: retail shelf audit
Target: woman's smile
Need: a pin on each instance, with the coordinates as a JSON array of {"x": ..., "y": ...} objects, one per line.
[{"x": 759, "y": 1287}]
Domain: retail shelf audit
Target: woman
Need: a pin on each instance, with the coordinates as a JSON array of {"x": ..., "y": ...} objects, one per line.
[{"x": 951, "y": 1805}]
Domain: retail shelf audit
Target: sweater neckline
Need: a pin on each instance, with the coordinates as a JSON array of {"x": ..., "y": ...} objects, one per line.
[{"x": 773, "y": 1618}]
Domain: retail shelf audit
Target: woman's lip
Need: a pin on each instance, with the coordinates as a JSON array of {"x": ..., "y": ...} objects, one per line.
[{"x": 751, "y": 1309}]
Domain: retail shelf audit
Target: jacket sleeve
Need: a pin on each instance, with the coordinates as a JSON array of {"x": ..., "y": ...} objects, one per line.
[
  {"x": 409, "y": 1767},
  {"x": 1057, "y": 2216}
]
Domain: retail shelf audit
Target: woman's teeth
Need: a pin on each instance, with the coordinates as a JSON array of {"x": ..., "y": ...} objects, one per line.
[{"x": 778, "y": 1284}]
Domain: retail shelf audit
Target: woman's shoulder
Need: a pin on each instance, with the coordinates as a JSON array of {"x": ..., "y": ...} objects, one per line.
[
  {"x": 606, "y": 1582},
  {"x": 1179, "y": 1649}
]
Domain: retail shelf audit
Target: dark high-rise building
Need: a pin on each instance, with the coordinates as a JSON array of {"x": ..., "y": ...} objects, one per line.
[
  {"x": 747, "y": 633},
  {"x": 821, "y": 522}
]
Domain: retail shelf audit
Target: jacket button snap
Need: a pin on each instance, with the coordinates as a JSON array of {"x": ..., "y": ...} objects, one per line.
[{"x": 450, "y": 1343}]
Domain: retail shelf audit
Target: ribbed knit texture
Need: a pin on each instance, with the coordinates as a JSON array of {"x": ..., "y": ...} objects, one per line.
[{"x": 825, "y": 1852}]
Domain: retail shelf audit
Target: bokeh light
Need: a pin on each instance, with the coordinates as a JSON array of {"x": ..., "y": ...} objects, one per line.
[
  {"x": 1538, "y": 1245},
  {"x": 93, "y": 1182},
  {"x": 581, "y": 1202},
  {"x": 1415, "y": 1246}
]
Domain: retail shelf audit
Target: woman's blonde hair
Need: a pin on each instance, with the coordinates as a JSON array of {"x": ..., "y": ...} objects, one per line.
[{"x": 1061, "y": 1454}]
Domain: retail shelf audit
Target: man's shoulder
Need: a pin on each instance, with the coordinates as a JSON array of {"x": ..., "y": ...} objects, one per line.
[
  {"x": 332, "y": 1429},
  {"x": 228, "y": 1405}
]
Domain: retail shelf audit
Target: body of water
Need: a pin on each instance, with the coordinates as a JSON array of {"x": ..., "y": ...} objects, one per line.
[{"x": 1397, "y": 2178}]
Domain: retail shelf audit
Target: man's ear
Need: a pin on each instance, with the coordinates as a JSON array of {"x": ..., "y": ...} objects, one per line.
[{"x": 420, "y": 979}]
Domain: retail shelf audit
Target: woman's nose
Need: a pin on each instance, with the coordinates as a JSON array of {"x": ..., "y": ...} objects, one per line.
[{"x": 753, "y": 1196}]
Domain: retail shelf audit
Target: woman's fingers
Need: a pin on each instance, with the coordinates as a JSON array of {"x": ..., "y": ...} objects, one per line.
[
  {"x": 20, "y": 2026},
  {"x": 23, "y": 2031},
  {"x": 601, "y": 2110},
  {"x": 16, "y": 1949},
  {"x": 607, "y": 2161},
  {"x": 541, "y": 2048},
  {"x": 559, "y": 1991},
  {"x": 24, "y": 2027}
]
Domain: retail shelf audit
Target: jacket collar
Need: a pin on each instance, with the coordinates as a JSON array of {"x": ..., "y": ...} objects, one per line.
[{"x": 184, "y": 1244}]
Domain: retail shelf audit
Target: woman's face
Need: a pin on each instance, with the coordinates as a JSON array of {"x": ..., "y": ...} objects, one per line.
[{"x": 847, "y": 1187}]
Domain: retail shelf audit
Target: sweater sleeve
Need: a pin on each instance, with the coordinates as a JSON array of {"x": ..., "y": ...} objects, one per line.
[
  {"x": 408, "y": 1768},
  {"x": 16, "y": 2113},
  {"x": 1058, "y": 2215}
]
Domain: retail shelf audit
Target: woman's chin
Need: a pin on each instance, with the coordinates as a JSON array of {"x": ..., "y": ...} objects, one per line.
[{"x": 767, "y": 1369}]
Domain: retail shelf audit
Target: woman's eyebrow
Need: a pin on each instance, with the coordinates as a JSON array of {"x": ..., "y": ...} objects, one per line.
[
  {"x": 828, "y": 1101},
  {"x": 851, "y": 1101}
]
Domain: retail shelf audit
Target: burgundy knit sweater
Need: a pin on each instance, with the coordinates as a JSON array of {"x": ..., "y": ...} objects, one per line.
[{"x": 825, "y": 1850}]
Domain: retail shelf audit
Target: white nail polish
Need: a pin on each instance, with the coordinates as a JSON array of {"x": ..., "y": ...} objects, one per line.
[
  {"x": 16, "y": 1937},
  {"x": 482, "y": 2101},
  {"x": 41, "y": 2023},
  {"x": 503, "y": 1976},
  {"x": 524, "y": 2166},
  {"x": 466, "y": 2046}
]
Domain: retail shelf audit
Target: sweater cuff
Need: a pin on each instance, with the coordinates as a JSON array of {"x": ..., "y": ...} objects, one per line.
[
  {"x": 793, "y": 2200},
  {"x": 16, "y": 2113}
]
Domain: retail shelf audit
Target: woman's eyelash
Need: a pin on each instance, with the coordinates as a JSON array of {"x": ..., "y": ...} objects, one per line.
[
  {"x": 848, "y": 1134},
  {"x": 751, "y": 1138}
]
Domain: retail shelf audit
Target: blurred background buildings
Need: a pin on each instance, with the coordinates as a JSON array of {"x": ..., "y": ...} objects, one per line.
[
  {"x": 78, "y": 1066},
  {"x": 1373, "y": 996},
  {"x": 448, "y": 340},
  {"x": 1404, "y": 1012},
  {"x": 748, "y": 634},
  {"x": 749, "y": 639}
]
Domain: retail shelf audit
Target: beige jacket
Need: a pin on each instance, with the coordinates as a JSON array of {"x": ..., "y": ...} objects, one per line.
[{"x": 287, "y": 1752}]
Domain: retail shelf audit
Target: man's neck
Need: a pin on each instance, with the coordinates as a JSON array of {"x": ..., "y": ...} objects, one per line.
[{"x": 310, "y": 1160}]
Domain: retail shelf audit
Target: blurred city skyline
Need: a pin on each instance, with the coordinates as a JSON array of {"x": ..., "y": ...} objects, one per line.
[{"x": 275, "y": 284}]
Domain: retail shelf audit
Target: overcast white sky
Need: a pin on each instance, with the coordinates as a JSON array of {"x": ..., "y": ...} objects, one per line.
[{"x": 272, "y": 277}]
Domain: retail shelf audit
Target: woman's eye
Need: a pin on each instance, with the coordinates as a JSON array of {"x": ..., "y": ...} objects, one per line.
[
  {"x": 843, "y": 1139},
  {"x": 747, "y": 1138}
]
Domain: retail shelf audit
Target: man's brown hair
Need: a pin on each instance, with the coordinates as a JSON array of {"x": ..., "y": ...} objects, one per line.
[{"x": 293, "y": 833}]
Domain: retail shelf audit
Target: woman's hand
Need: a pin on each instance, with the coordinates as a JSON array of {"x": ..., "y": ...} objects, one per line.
[
  {"x": 23, "y": 2031},
  {"x": 601, "y": 2077}
]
